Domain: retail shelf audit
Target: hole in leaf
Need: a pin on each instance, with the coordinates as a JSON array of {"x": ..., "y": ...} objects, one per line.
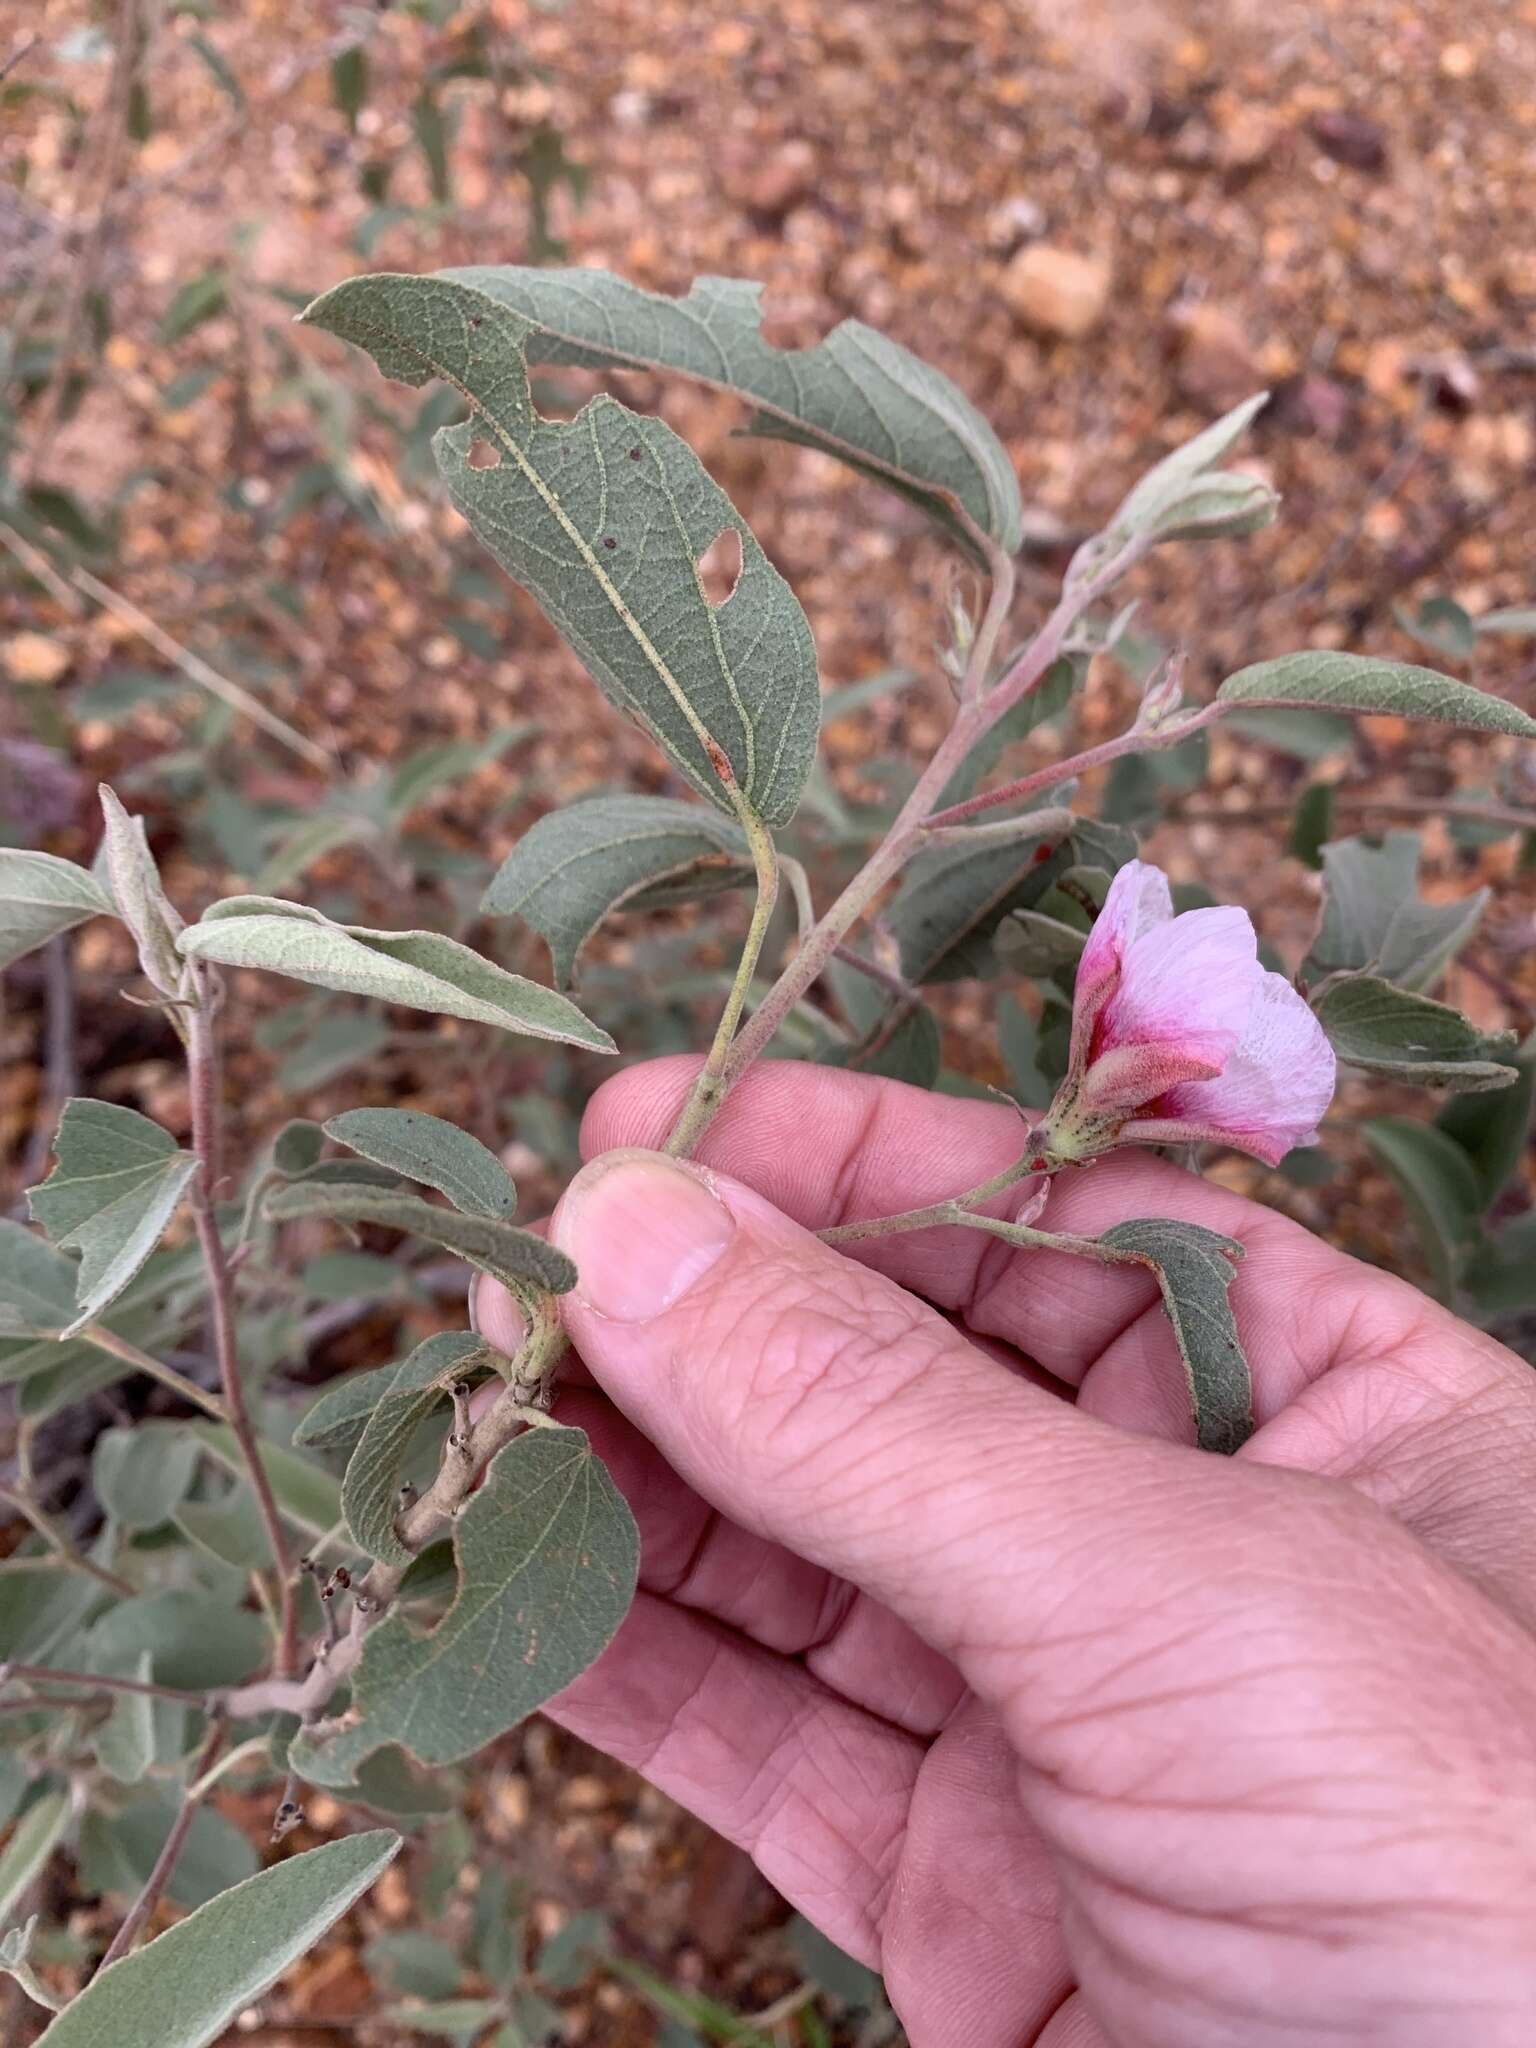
[
  {"x": 720, "y": 566},
  {"x": 793, "y": 324},
  {"x": 484, "y": 455}
]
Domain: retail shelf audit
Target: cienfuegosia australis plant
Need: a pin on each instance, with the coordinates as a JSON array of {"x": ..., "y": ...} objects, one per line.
[{"x": 447, "y": 1610}]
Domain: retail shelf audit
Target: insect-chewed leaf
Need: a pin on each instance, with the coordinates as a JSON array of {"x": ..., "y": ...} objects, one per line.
[
  {"x": 1374, "y": 919},
  {"x": 953, "y": 899},
  {"x": 855, "y": 395},
  {"x": 1406, "y": 1037},
  {"x": 425, "y": 1148},
  {"x": 609, "y": 852},
  {"x": 183, "y": 1989},
  {"x": 420, "y": 970},
  {"x": 548, "y": 1555},
  {"x": 515, "y": 1257},
  {"x": 607, "y": 520},
  {"x": 41, "y": 896},
  {"x": 113, "y": 1191},
  {"x": 1195, "y": 1268},
  {"x": 1358, "y": 682}
]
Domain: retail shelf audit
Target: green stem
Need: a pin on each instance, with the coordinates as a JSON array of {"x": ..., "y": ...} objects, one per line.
[
  {"x": 978, "y": 714},
  {"x": 156, "y": 1369},
  {"x": 207, "y": 1143},
  {"x": 954, "y": 1209},
  {"x": 709, "y": 1089},
  {"x": 1151, "y": 740}
]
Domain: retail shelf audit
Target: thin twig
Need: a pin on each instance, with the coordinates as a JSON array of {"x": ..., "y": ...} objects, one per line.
[
  {"x": 22, "y": 51},
  {"x": 98, "y": 1681},
  {"x": 207, "y": 1137},
  {"x": 201, "y": 672},
  {"x": 155, "y": 1368},
  {"x": 38, "y": 566},
  {"x": 170, "y": 1849}
]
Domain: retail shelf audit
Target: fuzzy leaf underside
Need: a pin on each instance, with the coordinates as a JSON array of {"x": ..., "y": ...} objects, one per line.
[
  {"x": 182, "y": 1989},
  {"x": 855, "y": 395},
  {"x": 1407, "y": 1037},
  {"x": 419, "y": 970},
  {"x": 548, "y": 1556},
  {"x": 41, "y": 896},
  {"x": 606, "y": 519},
  {"x": 515, "y": 1257},
  {"x": 426, "y": 1148},
  {"x": 577, "y": 865},
  {"x": 116, "y": 1185},
  {"x": 1358, "y": 682},
  {"x": 1195, "y": 1269}
]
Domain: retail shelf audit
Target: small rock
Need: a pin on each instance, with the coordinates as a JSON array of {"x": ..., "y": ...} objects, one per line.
[
  {"x": 1352, "y": 139},
  {"x": 779, "y": 185},
  {"x": 34, "y": 658},
  {"x": 1011, "y": 225},
  {"x": 1056, "y": 291},
  {"x": 1458, "y": 60},
  {"x": 1216, "y": 367},
  {"x": 1311, "y": 404}
]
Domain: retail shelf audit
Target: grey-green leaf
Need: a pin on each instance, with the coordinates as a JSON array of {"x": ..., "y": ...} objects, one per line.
[
  {"x": 425, "y": 1148},
  {"x": 606, "y": 519},
  {"x": 548, "y": 1554},
  {"x": 1438, "y": 1187},
  {"x": 115, "y": 1188},
  {"x": 141, "y": 902},
  {"x": 37, "y": 1283},
  {"x": 952, "y": 900},
  {"x": 419, "y": 970},
  {"x": 125, "y": 1741},
  {"x": 142, "y": 1472},
  {"x": 306, "y": 1494},
  {"x": 15, "y": 1953},
  {"x": 1493, "y": 1130},
  {"x": 338, "y": 1418},
  {"x": 33, "y": 1840},
  {"x": 609, "y": 852},
  {"x": 1195, "y": 1268},
  {"x": 1155, "y": 505},
  {"x": 1406, "y": 1037},
  {"x": 1374, "y": 919},
  {"x": 370, "y": 1490},
  {"x": 515, "y": 1257},
  {"x": 1358, "y": 682},
  {"x": 855, "y": 395},
  {"x": 183, "y": 1989},
  {"x": 41, "y": 896}
]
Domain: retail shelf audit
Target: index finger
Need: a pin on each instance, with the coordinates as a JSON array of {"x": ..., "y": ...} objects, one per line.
[{"x": 829, "y": 1147}]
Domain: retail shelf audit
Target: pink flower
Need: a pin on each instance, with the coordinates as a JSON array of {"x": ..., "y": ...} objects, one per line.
[{"x": 1180, "y": 1036}]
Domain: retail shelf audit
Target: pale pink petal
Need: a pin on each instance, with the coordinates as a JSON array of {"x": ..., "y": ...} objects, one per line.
[
  {"x": 1188, "y": 986},
  {"x": 1138, "y": 901},
  {"x": 1270, "y": 1095}
]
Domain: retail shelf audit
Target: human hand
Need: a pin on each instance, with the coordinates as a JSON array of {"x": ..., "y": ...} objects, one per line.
[{"x": 1078, "y": 1734}]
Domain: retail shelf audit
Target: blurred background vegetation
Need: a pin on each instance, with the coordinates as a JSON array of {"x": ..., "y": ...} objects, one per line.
[{"x": 229, "y": 584}]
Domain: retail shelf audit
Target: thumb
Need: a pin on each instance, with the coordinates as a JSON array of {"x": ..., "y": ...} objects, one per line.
[{"x": 814, "y": 1401}]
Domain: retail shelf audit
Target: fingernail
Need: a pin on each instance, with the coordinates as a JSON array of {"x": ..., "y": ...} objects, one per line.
[{"x": 642, "y": 1231}]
